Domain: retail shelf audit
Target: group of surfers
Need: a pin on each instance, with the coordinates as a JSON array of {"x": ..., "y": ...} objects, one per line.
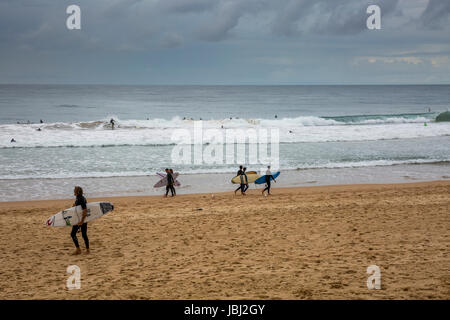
[
  {"x": 244, "y": 181},
  {"x": 81, "y": 201}
]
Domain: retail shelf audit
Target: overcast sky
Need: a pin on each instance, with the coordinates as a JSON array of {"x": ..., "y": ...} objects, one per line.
[{"x": 225, "y": 42}]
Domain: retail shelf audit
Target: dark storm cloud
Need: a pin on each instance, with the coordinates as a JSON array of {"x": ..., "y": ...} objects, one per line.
[
  {"x": 223, "y": 41},
  {"x": 437, "y": 14}
]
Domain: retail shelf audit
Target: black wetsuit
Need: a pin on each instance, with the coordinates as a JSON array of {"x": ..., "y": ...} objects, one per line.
[
  {"x": 81, "y": 201},
  {"x": 245, "y": 180},
  {"x": 169, "y": 185},
  {"x": 268, "y": 183},
  {"x": 240, "y": 172}
]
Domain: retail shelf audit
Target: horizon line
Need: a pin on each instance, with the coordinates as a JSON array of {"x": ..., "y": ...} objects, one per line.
[{"x": 228, "y": 85}]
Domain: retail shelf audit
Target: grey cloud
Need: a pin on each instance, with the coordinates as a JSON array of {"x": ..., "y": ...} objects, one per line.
[
  {"x": 340, "y": 17},
  {"x": 119, "y": 8},
  {"x": 226, "y": 17},
  {"x": 171, "y": 40},
  {"x": 436, "y": 15},
  {"x": 183, "y": 6}
]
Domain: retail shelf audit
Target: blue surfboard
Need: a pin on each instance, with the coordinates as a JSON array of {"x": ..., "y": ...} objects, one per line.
[{"x": 262, "y": 179}]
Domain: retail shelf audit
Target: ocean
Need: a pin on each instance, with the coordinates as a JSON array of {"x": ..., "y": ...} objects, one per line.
[{"x": 327, "y": 135}]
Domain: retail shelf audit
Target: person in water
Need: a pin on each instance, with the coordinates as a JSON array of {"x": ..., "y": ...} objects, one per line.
[
  {"x": 80, "y": 201},
  {"x": 269, "y": 176},
  {"x": 12, "y": 140},
  {"x": 173, "y": 184},
  {"x": 112, "y": 123},
  {"x": 169, "y": 185}
]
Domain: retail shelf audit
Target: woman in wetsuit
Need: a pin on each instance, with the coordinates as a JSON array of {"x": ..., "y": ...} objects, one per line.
[{"x": 80, "y": 201}]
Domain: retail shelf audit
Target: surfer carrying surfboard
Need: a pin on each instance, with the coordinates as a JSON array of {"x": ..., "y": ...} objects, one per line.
[
  {"x": 170, "y": 182},
  {"x": 172, "y": 187},
  {"x": 269, "y": 176},
  {"x": 245, "y": 180},
  {"x": 80, "y": 201},
  {"x": 240, "y": 174}
]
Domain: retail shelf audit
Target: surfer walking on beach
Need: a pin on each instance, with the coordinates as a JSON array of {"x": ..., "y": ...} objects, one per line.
[
  {"x": 172, "y": 189},
  {"x": 245, "y": 180},
  {"x": 80, "y": 201},
  {"x": 170, "y": 183},
  {"x": 269, "y": 176},
  {"x": 241, "y": 186}
]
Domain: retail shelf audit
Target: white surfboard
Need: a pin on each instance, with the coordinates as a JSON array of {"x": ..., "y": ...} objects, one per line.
[
  {"x": 71, "y": 217},
  {"x": 163, "y": 181}
]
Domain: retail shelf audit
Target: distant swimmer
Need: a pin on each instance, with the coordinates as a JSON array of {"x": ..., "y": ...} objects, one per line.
[
  {"x": 290, "y": 131},
  {"x": 269, "y": 176},
  {"x": 38, "y": 129},
  {"x": 276, "y": 116},
  {"x": 80, "y": 201},
  {"x": 41, "y": 121},
  {"x": 112, "y": 123},
  {"x": 12, "y": 140}
]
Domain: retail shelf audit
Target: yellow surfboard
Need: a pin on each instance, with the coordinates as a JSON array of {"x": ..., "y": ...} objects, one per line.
[{"x": 251, "y": 177}]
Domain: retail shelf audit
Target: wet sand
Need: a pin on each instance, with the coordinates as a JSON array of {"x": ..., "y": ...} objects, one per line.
[{"x": 299, "y": 243}]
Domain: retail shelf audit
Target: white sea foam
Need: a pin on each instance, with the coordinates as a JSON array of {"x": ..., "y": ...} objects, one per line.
[{"x": 159, "y": 131}]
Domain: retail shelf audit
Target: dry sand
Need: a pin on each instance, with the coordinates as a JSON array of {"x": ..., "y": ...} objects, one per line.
[{"x": 300, "y": 243}]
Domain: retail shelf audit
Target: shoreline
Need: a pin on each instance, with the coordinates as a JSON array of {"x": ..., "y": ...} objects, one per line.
[
  {"x": 53, "y": 189},
  {"x": 275, "y": 190}
]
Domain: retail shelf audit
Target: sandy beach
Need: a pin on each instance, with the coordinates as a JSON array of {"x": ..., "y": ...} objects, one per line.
[{"x": 299, "y": 243}]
